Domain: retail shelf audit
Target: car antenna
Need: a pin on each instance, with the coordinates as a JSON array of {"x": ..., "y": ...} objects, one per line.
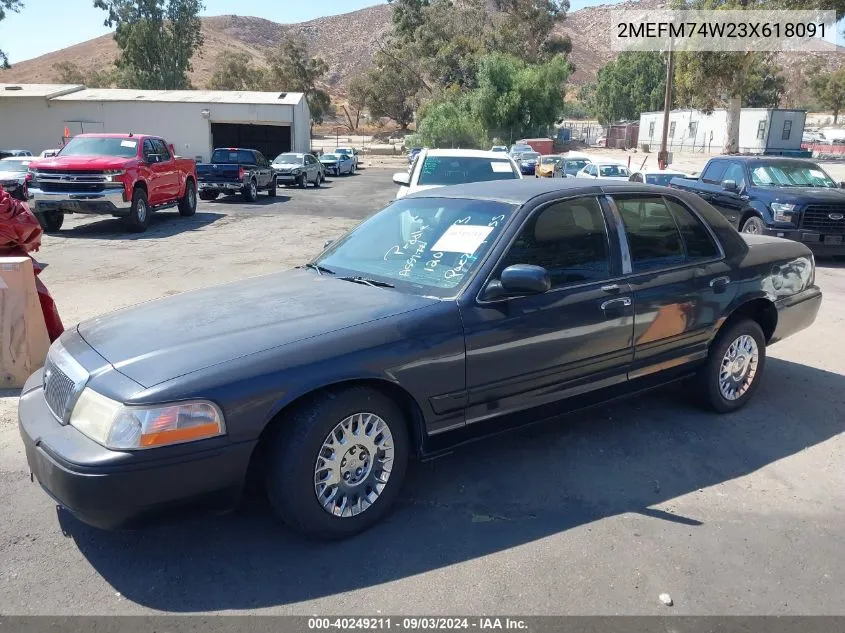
[{"x": 131, "y": 134}]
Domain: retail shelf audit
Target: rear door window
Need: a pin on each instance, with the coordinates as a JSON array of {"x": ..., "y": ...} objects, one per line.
[
  {"x": 654, "y": 240},
  {"x": 245, "y": 157}
]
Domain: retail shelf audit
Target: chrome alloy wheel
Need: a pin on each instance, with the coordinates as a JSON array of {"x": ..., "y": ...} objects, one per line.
[
  {"x": 738, "y": 368},
  {"x": 353, "y": 465},
  {"x": 141, "y": 210}
]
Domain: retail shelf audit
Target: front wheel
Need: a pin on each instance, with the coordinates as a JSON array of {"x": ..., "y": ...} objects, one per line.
[
  {"x": 318, "y": 180},
  {"x": 302, "y": 181},
  {"x": 272, "y": 190},
  {"x": 51, "y": 221},
  {"x": 753, "y": 225},
  {"x": 188, "y": 202},
  {"x": 139, "y": 213},
  {"x": 336, "y": 464},
  {"x": 734, "y": 368}
]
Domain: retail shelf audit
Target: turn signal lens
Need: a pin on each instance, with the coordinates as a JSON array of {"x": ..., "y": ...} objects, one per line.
[{"x": 120, "y": 427}]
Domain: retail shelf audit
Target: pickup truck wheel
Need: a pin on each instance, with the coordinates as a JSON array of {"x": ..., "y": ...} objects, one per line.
[
  {"x": 734, "y": 368},
  {"x": 51, "y": 221},
  {"x": 139, "y": 214},
  {"x": 753, "y": 225},
  {"x": 272, "y": 190},
  {"x": 336, "y": 464},
  {"x": 250, "y": 191},
  {"x": 188, "y": 202}
]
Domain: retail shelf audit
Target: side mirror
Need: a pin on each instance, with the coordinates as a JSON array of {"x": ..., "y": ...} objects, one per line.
[
  {"x": 172, "y": 149},
  {"x": 327, "y": 244},
  {"x": 729, "y": 185},
  {"x": 151, "y": 158},
  {"x": 402, "y": 179},
  {"x": 519, "y": 279}
]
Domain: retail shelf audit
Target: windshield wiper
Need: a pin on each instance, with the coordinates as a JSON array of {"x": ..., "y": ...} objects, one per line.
[
  {"x": 320, "y": 269},
  {"x": 368, "y": 282}
]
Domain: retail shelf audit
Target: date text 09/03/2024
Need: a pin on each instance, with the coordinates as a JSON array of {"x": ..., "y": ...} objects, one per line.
[{"x": 485, "y": 623}]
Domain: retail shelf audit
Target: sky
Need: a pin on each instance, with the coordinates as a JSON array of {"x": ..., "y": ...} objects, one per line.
[{"x": 47, "y": 25}]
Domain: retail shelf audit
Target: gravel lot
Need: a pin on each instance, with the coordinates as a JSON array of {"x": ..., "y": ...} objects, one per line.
[{"x": 594, "y": 514}]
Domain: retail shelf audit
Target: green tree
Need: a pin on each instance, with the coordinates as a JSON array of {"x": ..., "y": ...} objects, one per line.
[
  {"x": 392, "y": 92},
  {"x": 7, "y": 5},
  {"x": 634, "y": 82},
  {"x": 451, "y": 123},
  {"x": 156, "y": 38},
  {"x": 407, "y": 16},
  {"x": 828, "y": 88},
  {"x": 291, "y": 68},
  {"x": 524, "y": 28},
  {"x": 234, "y": 70}
]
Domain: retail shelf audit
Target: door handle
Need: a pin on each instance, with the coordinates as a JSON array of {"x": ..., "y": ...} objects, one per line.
[
  {"x": 621, "y": 302},
  {"x": 611, "y": 288},
  {"x": 720, "y": 282}
]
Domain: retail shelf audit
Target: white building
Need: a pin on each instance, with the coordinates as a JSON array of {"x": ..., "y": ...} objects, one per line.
[
  {"x": 760, "y": 130},
  {"x": 37, "y": 116}
]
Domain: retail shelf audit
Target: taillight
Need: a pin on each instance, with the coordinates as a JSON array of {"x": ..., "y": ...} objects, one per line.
[{"x": 240, "y": 173}]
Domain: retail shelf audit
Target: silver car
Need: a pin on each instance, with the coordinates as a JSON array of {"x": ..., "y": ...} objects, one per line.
[{"x": 298, "y": 169}]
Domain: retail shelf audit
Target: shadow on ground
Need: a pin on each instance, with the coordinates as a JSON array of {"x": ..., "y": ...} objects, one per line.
[
  {"x": 495, "y": 495},
  {"x": 162, "y": 224},
  {"x": 262, "y": 200}
]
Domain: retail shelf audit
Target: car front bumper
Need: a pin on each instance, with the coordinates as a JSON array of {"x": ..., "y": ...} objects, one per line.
[
  {"x": 527, "y": 170},
  {"x": 819, "y": 243},
  {"x": 287, "y": 179},
  {"x": 109, "y": 201},
  {"x": 331, "y": 169},
  {"x": 82, "y": 476}
]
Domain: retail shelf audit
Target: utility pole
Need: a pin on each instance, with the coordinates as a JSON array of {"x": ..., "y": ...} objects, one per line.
[{"x": 663, "y": 155}]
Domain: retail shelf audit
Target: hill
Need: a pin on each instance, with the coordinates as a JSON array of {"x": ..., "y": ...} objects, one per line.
[{"x": 348, "y": 41}]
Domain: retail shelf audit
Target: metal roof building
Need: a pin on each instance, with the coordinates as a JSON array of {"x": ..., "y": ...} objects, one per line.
[{"x": 38, "y": 117}]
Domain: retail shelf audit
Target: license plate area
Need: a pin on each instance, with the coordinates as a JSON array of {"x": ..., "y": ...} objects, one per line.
[{"x": 833, "y": 240}]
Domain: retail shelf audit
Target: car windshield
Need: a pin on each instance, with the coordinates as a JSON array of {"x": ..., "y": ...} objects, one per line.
[
  {"x": 661, "y": 179},
  {"x": 790, "y": 175},
  {"x": 530, "y": 156},
  {"x": 613, "y": 171},
  {"x": 425, "y": 246},
  {"x": 329, "y": 157},
  {"x": 344, "y": 150},
  {"x": 576, "y": 165},
  {"x": 14, "y": 164},
  {"x": 456, "y": 170},
  {"x": 101, "y": 146},
  {"x": 550, "y": 160},
  {"x": 289, "y": 159}
]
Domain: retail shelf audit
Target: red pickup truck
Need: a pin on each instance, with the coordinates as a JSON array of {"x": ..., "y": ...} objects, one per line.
[{"x": 123, "y": 175}]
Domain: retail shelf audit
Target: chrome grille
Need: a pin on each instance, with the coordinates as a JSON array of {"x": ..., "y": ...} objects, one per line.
[
  {"x": 58, "y": 389},
  {"x": 816, "y": 217}
]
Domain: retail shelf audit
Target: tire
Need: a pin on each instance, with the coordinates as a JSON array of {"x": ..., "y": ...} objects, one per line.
[
  {"x": 250, "y": 191},
  {"x": 303, "y": 181},
  {"x": 753, "y": 225},
  {"x": 709, "y": 384},
  {"x": 294, "y": 455},
  {"x": 51, "y": 221},
  {"x": 208, "y": 195},
  {"x": 318, "y": 180},
  {"x": 139, "y": 213},
  {"x": 272, "y": 190},
  {"x": 188, "y": 202}
]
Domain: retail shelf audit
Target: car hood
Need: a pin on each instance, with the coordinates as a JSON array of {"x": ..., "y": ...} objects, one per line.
[
  {"x": 12, "y": 175},
  {"x": 163, "y": 339},
  {"x": 81, "y": 162},
  {"x": 286, "y": 165},
  {"x": 807, "y": 195}
]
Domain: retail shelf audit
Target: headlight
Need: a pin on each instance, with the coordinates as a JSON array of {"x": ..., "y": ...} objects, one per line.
[
  {"x": 114, "y": 175},
  {"x": 782, "y": 211},
  {"x": 120, "y": 427}
]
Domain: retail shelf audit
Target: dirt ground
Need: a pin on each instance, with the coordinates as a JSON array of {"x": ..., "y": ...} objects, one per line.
[{"x": 597, "y": 514}]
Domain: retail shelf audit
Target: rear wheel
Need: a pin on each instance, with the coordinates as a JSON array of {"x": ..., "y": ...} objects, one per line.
[
  {"x": 188, "y": 202},
  {"x": 250, "y": 191},
  {"x": 734, "y": 368},
  {"x": 753, "y": 225},
  {"x": 337, "y": 463},
  {"x": 139, "y": 213},
  {"x": 51, "y": 221}
]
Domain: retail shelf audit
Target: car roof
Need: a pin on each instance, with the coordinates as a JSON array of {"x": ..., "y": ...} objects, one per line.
[
  {"x": 759, "y": 158},
  {"x": 519, "y": 192},
  {"x": 466, "y": 153}
]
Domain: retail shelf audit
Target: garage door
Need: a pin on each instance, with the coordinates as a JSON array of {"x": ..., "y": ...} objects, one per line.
[{"x": 270, "y": 140}]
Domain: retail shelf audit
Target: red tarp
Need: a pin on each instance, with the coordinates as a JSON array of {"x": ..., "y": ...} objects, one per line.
[{"x": 20, "y": 235}]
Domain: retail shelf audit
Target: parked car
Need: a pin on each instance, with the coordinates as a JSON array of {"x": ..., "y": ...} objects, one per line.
[
  {"x": 441, "y": 167},
  {"x": 604, "y": 170},
  {"x": 527, "y": 162},
  {"x": 48, "y": 153},
  {"x": 129, "y": 176},
  {"x": 235, "y": 170},
  {"x": 353, "y": 153},
  {"x": 660, "y": 177},
  {"x": 573, "y": 162},
  {"x": 549, "y": 166},
  {"x": 7, "y": 153},
  {"x": 499, "y": 148},
  {"x": 787, "y": 197},
  {"x": 337, "y": 164},
  {"x": 494, "y": 304},
  {"x": 519, "y": 148},
  {"x": 299, "y": 169},
  {"x": 14, "y": 176}
]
